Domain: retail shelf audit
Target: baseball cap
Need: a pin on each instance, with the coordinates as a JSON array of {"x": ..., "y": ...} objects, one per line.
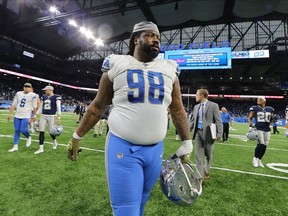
[
  {"x": 48, "y": 88},
  {"x": 27, "y": 85},
  {"x": 145, "y": 26}
]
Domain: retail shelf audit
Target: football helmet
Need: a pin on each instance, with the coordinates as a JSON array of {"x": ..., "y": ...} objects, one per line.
[
  {"x": 36, "y": 125},
  {"x": 252, "y": 134},
  {"x": 179, "y": 183},
  {"x": 56, "y": 130}
]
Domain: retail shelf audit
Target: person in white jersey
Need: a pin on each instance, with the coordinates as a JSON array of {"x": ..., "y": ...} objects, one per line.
[
  {"x": 140, "y": 87},
  {"x": 24, "y": 101}
]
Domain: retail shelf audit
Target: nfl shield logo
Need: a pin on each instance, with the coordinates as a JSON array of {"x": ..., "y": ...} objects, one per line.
[{"x": 119, "y": 155}]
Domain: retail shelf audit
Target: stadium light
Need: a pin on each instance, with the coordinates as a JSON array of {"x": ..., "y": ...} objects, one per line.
[
  {"x": 73, "y": 23},
  {"x": 99, "y": 42},
  {"x": 82, "y": 30},
  {"x": 54, "y": 10},
  {"x": 86, "y": 32},
  {"x": 89, "y": 34}
]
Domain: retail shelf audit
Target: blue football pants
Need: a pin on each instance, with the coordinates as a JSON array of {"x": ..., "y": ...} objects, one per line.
[
  {"x": 132, "y": 171},
  {"x": 20, "y": 126}
]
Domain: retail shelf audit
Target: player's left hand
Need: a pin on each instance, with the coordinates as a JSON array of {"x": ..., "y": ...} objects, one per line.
[
  {"x": 58, "y": 120},
  {"x": 185, "y": 149},
  {"x": 186, "y": 158}
]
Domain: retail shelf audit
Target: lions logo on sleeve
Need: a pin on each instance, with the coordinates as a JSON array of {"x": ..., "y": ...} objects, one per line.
[{"x": 106, "y": 64}]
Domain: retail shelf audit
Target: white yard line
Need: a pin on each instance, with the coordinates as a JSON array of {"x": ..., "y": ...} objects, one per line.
[
  {"x": 216, "y": 168},
  {"x": 250, "y": 173}
]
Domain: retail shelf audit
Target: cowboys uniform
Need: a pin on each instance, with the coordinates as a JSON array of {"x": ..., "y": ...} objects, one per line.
[
  {"x": 49, "y": 106},
  {"x": 263, "y": 117},
  {"x": 138, "y": 125}
]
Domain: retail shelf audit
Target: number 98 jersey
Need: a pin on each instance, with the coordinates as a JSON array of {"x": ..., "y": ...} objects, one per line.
[
  {"x": 263, "y": 117},
  {"x": 142, "y": 94}
]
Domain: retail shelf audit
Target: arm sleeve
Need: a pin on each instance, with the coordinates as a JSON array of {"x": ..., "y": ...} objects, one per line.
[
  {"x": 58, "y": 104},
  {"x": 14, "y": 103},
  {"x": 34, "y": 102},
  {"x": 39, "y": 111}
]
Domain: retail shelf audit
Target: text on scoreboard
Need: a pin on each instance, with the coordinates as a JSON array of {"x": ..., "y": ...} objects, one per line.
[{"x": 217, "y": 58}]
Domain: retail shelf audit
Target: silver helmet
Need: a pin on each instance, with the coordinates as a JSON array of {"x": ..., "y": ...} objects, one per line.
[
  {"x": 179, "y": 183},
  {"x": 36, "y": 125},
  {"x": 57, "y": 130},
  {"x": 252, "y": 134}
]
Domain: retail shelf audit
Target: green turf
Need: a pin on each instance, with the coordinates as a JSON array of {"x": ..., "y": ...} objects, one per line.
[{"x": 50, "y": 184}]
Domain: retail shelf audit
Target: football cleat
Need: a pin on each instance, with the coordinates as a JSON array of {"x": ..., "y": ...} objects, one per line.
[
  {"x": 255, "y": 162},
  {"x": 39, "y": 151},
  {"x": 260, "y": 164},
  {"x": 179, "y": 183},
  {"x": 29, "y": 141},
  {"x": 55, "y": 144},
  {"x": 14, "y": 149}
]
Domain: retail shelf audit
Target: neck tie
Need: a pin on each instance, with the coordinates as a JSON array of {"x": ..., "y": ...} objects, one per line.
[
  {"x": 201, "y": 112},
  {"x": 200, "y": 117}
]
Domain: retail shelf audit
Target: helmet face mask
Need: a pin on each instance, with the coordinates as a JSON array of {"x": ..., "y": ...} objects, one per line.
[
  {"x": 252, "y": 134},
  {"x": 57, "y": 130},
  {"x": 179, "y": 183}
]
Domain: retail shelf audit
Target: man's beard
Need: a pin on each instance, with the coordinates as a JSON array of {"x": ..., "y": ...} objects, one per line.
[{"x": 148, "y": 50}]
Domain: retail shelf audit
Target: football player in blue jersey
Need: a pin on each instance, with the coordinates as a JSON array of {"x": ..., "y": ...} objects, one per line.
[
  {"x": 140, "y": 87},
  {"x": 263, "y": 117},
  {"x": 50, "y": 104}
]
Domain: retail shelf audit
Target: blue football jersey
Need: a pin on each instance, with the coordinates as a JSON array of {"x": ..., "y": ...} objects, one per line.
[
  {"x": 263, "y": 117},
  {"x": 49, "y": 104}
]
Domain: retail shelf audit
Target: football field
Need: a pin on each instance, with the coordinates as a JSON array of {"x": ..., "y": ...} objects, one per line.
[{"x": 49, "y": 184}]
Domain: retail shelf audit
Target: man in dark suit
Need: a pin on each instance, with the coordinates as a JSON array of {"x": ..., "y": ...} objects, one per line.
[
  {"x": 204, "y": 114},
  {"x": 80, "y": 110}
]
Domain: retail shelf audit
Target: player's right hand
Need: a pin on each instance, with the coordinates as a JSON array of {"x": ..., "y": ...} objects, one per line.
[
  {"x": 73, "y": 149},
  {"x": 250, "y": 127}
]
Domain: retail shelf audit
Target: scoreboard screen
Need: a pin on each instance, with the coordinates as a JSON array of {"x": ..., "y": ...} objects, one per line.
[{"x": 215, "y": 58}]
